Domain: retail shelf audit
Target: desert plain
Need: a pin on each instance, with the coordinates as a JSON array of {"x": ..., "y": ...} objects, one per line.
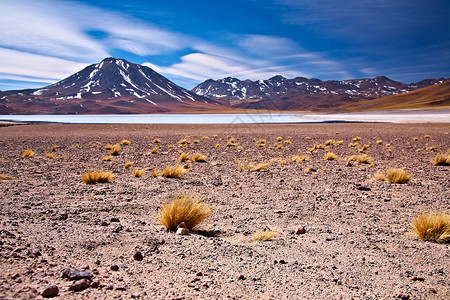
[{"x": 354, "y": 243}]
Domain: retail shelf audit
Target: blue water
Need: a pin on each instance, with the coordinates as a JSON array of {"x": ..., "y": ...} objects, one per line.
[{"x": 164, "y": 119}]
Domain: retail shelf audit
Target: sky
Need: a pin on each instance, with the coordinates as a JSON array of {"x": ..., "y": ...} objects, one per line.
[{"x": 42, "y": 42}]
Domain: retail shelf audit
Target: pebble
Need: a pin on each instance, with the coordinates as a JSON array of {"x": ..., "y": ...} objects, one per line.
[
  {"x": 300, "y": 230},
  {"x": 74, "y": 274},
  {"x": 114, "y": 219},
  {"x": 115, "y": 268},
  {"x": 80, "y": 285},
  {"x": 182, "y": 231},
  {"x": 138, "y": 256},
  {"x": 50, "y": 291},
  {"x": 181, "y": 225},
  {"x": 241, "y": 277},
  {"x": 402, "y": 296}
]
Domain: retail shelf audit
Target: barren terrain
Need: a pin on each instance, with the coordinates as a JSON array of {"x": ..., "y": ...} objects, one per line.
[{"x": 355, "y": 243}]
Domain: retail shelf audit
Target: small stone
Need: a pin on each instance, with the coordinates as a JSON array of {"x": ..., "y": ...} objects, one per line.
[
  {"x": 120, "y": 288},
  {"x": 363, "y": 188},
  {"x": 138, "y": 256},
  {"x": 114, "y": 219},
  {"x": 104, "y": 223},
  {"x": 282, "y": 261},
  {"x": 118, "y": 228},
  {"x": 279, "y": 211},
  {"x": 80, "y": 285},
  {"x": 417, "y": 278},
  {"x": 241, "y": 277},
  {"x": 95, "y": 284},
  {"x": 300, "y": 230},
  {"x": 74, "y": 274},
  {"x": 114, "y": 268},
  {"x": 402, "y": 296},
  {"x": 181, "y": 225},
  {"x": 349, "y": 164},
  {"x": 182, "y": 231},
  {"x": 50, "y": 291}
]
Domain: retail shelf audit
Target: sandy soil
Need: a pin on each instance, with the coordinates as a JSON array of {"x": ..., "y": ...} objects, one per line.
[{"x": 355, "y": 244}]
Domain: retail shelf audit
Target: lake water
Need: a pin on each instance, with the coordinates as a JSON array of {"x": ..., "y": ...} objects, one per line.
[{"x": 164, "y": 119}]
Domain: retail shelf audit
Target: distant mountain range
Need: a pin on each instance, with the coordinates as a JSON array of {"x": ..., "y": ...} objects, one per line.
[{"x": 117, "y": 86}]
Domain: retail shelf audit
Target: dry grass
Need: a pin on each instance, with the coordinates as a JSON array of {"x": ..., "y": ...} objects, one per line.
[
  {"x": 261, "y": 143},
  {"x": 97, "y": 177},
  {"x": 125, "y": 142},
  {"x": 258, "y": 167},
  {"x": 338, "y": 142},
  {"x": 441, "y": 160},
  {"x": 264, "y": 235},
  {"x": 388, "y": 145},
  {"x": 355, "y": 139},
  {"x": 433, "y": 227},
  {"x": 156, "y": 141},
  {"x": 173, "y": 171},
  {"x": 328, "y": 142},
  {"x": 107, "y": 158},
  {"x": 431, "y": 148},
  {"x": 198, "y": 157},
  {"x": 379, "y": 142},
  {"x": 184, "y": 141},
  {"x": 239, "y": 148},
  {"x": 128, "y": 165},
  {"x": 115, "y": 150},
  {"x": 353, "y": 144},
  {"x": 279, "y": 138},
  {"x": 138, "y": 172},
  {"x": 231, "y": 142},
  {"x": 241, "y": 167},
  {"x": 362, "y": 158},
  {"x": 188, "y": 208},
  {"x": 330, "y": 156},
  {"x": 6, "y": 177},
  {"x": 309, "y": 170},
  {"x": 53, "y": 148},
  {"x": 393, "y": 175},
  {"x": 28, "y": 153},
  {"x": 152, "y": 151},
  {"x": 287, "y": 142},
  {"x": 205, "y": 137},
  {"x": 308, "y": 138},
  {"x": 183, "y": 157},
  {"x": 49, "y": 155},
  {"x": 108, "y": 147},
  {"x": 362, "y": 148},
  {"x": 426, "y": 136}
]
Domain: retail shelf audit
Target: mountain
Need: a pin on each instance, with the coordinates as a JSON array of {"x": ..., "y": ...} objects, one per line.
[
  {"x": 434, "y": 96},
  {"x": 302, "y": 93},
  {"x": 109, "y": 87}
]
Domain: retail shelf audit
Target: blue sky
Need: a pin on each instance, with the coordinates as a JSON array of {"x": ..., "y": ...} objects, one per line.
[{"x": 44, "y": 41}]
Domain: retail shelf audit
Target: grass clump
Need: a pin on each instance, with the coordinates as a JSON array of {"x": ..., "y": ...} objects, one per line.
[
  {"x": 49, "y": 155},
  {"x": 156, "y": 141},
  {"x": 183, "y": 157},
  {"x": 264, "y": 235},
  {"x": 231, "y": 142},
  {"x": 152, "y": 151},
  {"x": 434, "y": 227},
  {"x": 107, "y": 158},
  {"x": 393, "y": 175},
  {"x": 258, "y": 167},
  {"x": 441, "y": 160},
  {"x": 241, "y": 167},
  {"x": 108, "y": 147},
  {"x": 379, "y": 142},
  {"x": 355, "y": 139},
  {"x": 128, "y": 165},
  {"x": 125, "y": 142},
  {"x": 97, "y": 177},
  {"x": 138, "y": 172},
  {"x": 188, "y": 208},
  {"x": 6, "y": 177},
  {"x": 198, "y": 157},
  {"x": 330, "y": 156},
  {"x": 362, "y": 148},
  {"x": 431, "y": 148},
  {"x": 363, "y": 159},
  {"x": 28, "y": 153},
  {"x": 115, "y": 150},
  {"x": 53, "y": 148},
  {"x": 172, "y": 171}
]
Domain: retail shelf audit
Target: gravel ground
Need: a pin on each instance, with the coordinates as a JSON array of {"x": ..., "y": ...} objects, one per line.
[{"x": 355, "y": 244}]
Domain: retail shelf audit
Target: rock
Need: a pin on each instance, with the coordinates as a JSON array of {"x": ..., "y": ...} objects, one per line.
[
  {"x": 50, "y": 291},
  {"x": 104, "y": 223},
  {"x": 349, "y": 164},
  {"x": 114, "y": 268},
  {"x": 241, "y": 277},
  {"x": 138, "y": 256},
  {"x": 80, "y": 285},
  {"x": 182, "y": 231},
  {"x": 114, "y": 219},
  {"x": 363, "y": 188},
  {"x": 95, "y": 284},
  {"x": 282, "y": 261},
  {"x": 279, "y": 211},
  {"x": 300, "y": 230},
  {"x": 181, "y": 225},
  {"x": 74, "y": 274},
  {"x": 118, "y": 228},
  {"x": 417, "y": 278},
  {"x": 402, "y": 296}
]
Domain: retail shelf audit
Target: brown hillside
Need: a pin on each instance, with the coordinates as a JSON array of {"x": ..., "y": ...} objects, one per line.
[{"x": 435, "y": 96}]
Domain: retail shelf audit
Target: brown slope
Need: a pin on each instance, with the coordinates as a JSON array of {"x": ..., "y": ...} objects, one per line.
[{"x": 435, "y": 96}]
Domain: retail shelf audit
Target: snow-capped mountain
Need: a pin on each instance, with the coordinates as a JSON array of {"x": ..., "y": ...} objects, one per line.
[
  {"x": 111, "y": 86},
  {"x": 303, "y": 93}
]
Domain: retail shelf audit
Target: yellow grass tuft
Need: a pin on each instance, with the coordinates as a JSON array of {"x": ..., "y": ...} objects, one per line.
[
  {"x": 214, "y": 136},
  {"x": 196, "y": 141},
  {"x": 198, "y": 157},
  {"x": 6, "y": 177},
  {"x": 355, "y": 139},
  {"x": 90, "y": 144},
  {"x": 173, "y": 171},
  {"x": 307, "y": 137},
  {"x": 108, "y": 147},
  {"x": 115, "y": 150},
  {"x": 279, "y": 138},
  {"x": 125, "y": 142},
  {"x": 362, "y": 148},
  {"x": 156, "y": 141},
  {"x": 353, "y": 144},
  {"x": 309, "y": 170},
  {"x": 241, "y": 167},
  {"x": 205, "y": 137},
  {"x": 362, "y": 158},
  {"x": 264, "y": 235},
  {"x": 183, "y": 157},
  {"x": 239, "y": 148},
  {"x": 282, "y": 162},
  {"x": 433, "y": 227},
  {"x": 188, "y": 208},
  {"x": 107, "y": 158},
  {"x": 97, "y": 177},
  {"x": 388, "y": 145},
  {"x": 379, "y": 176},
  {"x": 128, "y": 165},
  {"x": 152, "y": 151},
  {"x": 394, "y": 175},
  {"x": 261, "y": 143},
  {"x": 287, "y": 142},
  {"x": 338, "y": 142},
  {"x": 328, "y": 142},
  {"x": 231, "y": 142},
  {"x": 379, "y": 142},
  {"x": 426, "y": 136},
  {"x": 441, "y": 160},
  {"x": 138, "y": 172},
  {"x": 28, "y": 153},
  {"x": 184, "y": 141},
  {"x": 415, "y": 138},
  {"x": 53, "y": 148},
  {"x": 258, "y": 167},
  {"x": 330, "y": 156},
  {"x": 49, "y": 155},
  {"x": 431, "y": 148}
]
